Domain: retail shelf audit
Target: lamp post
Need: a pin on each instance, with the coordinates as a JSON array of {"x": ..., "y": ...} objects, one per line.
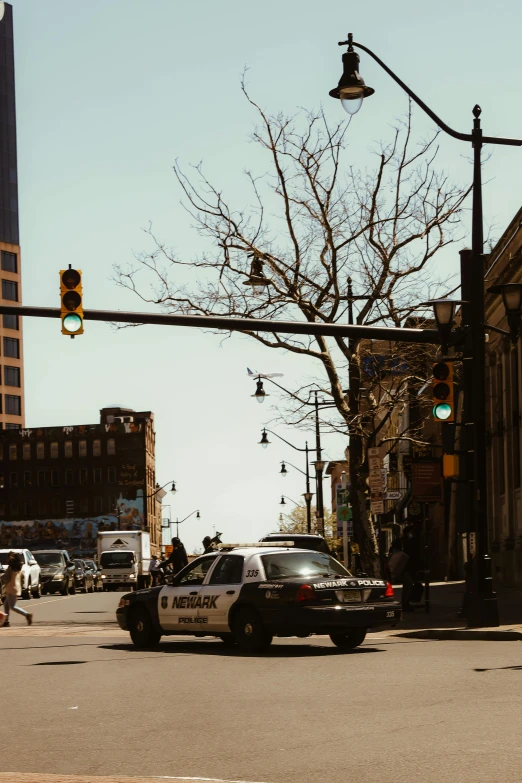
[
  {"x": 179, "y": 521},
  {"x": 307, "y": 495},
  {"x": 351, "y": 90},
  {"x": 319, "y": 463},
  {"x": 264, "y": 442}
]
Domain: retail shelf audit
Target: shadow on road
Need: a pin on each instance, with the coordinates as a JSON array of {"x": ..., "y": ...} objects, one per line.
[
  {"x": 499, "y": 669},
  {"x": 216, "y": 648}
]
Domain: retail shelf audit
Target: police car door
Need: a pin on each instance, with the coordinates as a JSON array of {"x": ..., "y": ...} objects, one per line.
[
  {"x": 220, "y": 592},
  {"x": 178, "y": 602}
]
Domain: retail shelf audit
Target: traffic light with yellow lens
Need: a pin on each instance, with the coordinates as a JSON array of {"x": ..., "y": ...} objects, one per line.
[
  {"x": 71, "y": 301},
  {"x": 443, "y": 392}
]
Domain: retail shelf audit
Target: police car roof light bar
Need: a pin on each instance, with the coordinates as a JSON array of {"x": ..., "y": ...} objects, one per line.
[{"x": 269, "y": 544}]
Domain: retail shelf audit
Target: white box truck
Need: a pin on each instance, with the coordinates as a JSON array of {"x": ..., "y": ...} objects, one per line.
[{"x": 124, "y": 558}]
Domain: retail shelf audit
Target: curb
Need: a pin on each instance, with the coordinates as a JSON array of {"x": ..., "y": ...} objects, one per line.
[{"x": 464, "y": 634}]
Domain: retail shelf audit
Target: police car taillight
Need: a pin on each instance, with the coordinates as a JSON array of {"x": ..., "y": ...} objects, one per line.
[
  {"x": 305, "y": 593},
  {"x": 389, "y": 591}
]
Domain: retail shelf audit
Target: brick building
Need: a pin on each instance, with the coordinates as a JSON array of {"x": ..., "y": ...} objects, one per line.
[
  {"x": 11, "y": 359},
  {"x": 60, "y": 485}
]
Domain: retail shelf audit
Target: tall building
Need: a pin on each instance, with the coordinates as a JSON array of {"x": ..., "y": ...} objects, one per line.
[
  {"x": 12, "y": 410},
  {"x": 59, "y": 486}
]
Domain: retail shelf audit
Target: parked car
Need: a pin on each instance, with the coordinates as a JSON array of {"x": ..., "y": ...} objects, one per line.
[
  {"x": 96, "y": 574},
  {"x": 310, "y": 541},
  {"x": 83, "y": 577},
  {"x": 57, "y": 571},
  {"x": 31, "y": 585}
]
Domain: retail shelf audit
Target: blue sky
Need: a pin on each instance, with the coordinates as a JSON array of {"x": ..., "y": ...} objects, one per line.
[{"x": 110, "y": 93}]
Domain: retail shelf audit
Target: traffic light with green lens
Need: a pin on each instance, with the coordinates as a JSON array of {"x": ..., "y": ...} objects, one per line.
[
  {"x": 443, "y": 393},
  {"x": 71, "y": 301}
]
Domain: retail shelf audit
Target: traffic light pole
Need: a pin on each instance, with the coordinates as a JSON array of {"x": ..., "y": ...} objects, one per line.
[{"x": 232, "y": 324}]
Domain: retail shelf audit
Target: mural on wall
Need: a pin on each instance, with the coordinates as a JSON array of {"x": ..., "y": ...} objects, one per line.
[{"x": 77, "y": 534}]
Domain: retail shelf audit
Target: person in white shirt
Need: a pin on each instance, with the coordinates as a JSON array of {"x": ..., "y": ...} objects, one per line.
[
  {"x": 12, "y": 579},
  {"x": 154, "y": 568}
]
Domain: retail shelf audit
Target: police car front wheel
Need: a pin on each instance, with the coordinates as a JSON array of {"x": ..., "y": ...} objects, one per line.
[
  {"x": 249, "y": 632},
  {"x": 142, "y": 631},
  {"x": 349, "y": 639}
]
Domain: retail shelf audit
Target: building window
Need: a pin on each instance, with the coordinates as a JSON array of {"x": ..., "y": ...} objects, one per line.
[
  {"x": 97, "y": 475},
  {"x": 13, "y": 508},
  {"x": 40, "y": 451},
  {"x": 11, "y": 347},
  {"x": 13, "y": 479},
  {"x": 41, "y": 478},
  {"x": 27, "y": 478},
  {"x": 83, "y": 475},
  {"x": 12, "y": 376},
  {"x": 2, "y": 509},
  {"x": 26, "y": 451},
  {"x": 54, "y": 478},
  {"x": 54, "y": 450},
  {"x": 28, "y": 508},
  {"x": 96, "y": 448},
  {"x": 11, "y": 426},
  {"x": 111, "y": 447},
  {"x": 68, "y": 448},
  {"x": 10, "y": 290},
  {"x": 9, "y": 262},
  {"x": 111, "y": 475},
  {"x": 82, "y": 448},
  {"x": 97, "y": 505},
  {"x": 13, "y": 405},
  {"x": 69, "y": 478},
  {"x": 10, "y": 322},
  {"x": 1, "y": 451},
  {"x": 13, "y": 451},
  {"x": 42, "y": 507},
  {"x": 56, "y": 505},
  {"x": 84, "y": 505},
  {"x": 69, "y": 507}
]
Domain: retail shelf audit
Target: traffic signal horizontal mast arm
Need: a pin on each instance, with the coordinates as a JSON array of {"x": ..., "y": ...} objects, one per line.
[{"x": 232, "y": 324}]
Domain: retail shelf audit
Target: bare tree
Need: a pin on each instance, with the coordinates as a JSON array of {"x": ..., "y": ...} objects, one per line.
[{"x": 313, "y": 222}]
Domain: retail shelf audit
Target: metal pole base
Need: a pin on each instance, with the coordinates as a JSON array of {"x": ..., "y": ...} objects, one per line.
[{"x": 482, "y": 611}]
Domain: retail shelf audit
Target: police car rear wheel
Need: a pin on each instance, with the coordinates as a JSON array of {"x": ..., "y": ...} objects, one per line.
[
  {"x": 349, "y": 639},
  {"x": 249, "y": 632},
  {"x": 141, "y": 628}
]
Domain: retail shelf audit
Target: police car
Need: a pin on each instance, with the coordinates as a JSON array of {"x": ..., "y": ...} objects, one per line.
[{"x": 245, "y": 594}]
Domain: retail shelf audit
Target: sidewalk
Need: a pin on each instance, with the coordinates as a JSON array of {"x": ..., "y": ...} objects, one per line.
[{"x": 442, "y": 621}]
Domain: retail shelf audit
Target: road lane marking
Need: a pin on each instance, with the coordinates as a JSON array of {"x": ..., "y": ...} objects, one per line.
[
  {"x": 29, "y": 777},
  {"x": 39, "y": 602}
]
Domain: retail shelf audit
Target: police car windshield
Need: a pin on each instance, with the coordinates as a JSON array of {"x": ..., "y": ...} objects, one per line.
[{"x": 285, "y": 565}]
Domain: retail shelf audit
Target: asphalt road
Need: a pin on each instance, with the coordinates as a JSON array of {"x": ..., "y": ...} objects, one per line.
[{"x": 394, "y": 710}]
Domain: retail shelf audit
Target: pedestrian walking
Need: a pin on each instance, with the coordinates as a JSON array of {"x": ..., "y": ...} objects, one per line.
[
  {"x": 178, "y": 557},
  {"x": 12, "y": 579},
  {"x": 154, "y": 569}
]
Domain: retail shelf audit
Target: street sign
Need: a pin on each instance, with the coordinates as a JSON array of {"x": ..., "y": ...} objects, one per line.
[
  {"x": 374, "y": 452},
  {"x": 393, "y": 494},
  {"x": 426, "y": 481},
  {"x": 377, "y": 507},
  {"x": 374, "y": 463},
  {"x": 473, "y": 544}
]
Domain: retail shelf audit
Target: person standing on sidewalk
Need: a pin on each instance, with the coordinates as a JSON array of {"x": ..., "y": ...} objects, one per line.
[
  {"x": 154, "y": 569},
  {"x": 13, "y": 588}
]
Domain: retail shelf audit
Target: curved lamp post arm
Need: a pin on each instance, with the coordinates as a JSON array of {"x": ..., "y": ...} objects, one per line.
[
  {"x": 159, "y": 489},
  {"x": 424, "y": 107},
  {"x": 190, "y": 515},
  {"x": 284, "y": 441},
  {"x": 295, "y": 467}
]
